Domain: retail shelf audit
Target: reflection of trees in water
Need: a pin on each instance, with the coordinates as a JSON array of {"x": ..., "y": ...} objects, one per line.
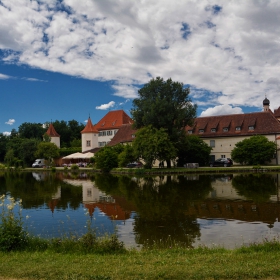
[
  {"x": 34, "y": 193},
  {"x": 258, "y": 187},
  {"x": 161, "y": 204}
]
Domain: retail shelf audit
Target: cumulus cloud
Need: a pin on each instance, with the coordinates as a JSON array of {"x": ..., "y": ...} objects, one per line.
[
  {"x": 10, "y": 121},
  {"x": 221, "y": 110},
  {"x": 106, "y": 106},
  {"x": 226, "y": 49}
]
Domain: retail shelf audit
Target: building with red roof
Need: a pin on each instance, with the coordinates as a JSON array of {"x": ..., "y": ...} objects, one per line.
[
  {"x": 55, "y": 137},
  {"x": 100, "y": 134}
]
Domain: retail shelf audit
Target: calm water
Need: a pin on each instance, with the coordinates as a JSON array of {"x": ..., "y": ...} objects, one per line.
[{"x": 228, "y": 210}]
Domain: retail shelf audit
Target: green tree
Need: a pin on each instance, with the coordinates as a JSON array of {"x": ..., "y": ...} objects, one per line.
[
  {"x": 27, "y": 151},
  {"x": 31, "y": 130},
  {"x": 106, "y": 159},
  {"x": 152, "y": 144},
  {"x": 126, "y": 156},
  {"x": 47, "y": 151},
  {"x": 3, "y": 144},
  {"x": 164, "y": 104},
  {"x": 254, "y": 150},
  {"x": 193, "y": 149}
]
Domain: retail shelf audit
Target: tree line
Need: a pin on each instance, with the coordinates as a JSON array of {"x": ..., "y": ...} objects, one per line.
[{"x": 23, "y": 144}]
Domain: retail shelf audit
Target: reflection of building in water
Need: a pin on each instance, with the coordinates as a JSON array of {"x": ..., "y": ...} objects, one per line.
[
  {"x": 266, "y": 212},
  {"x": 224, "y": 202},
  {"x": 93, "y": 197},
  {"x": 55, "y": 198}
]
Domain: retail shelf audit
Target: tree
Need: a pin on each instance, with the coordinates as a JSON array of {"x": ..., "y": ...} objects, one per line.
[
  {"x": 106, "y": 159},
  {"x": 3, "y": 143},
  {"x": 193, "y": 149},
  {"x": 31, "y": 130},
  {"x": 126, "y": 156},
  {"x": 27, "y": 151},
  {"x": 152, "y": 144},
  {"x": 254, "y": 150},
  {"x": 47, "y": 151},
  {"x": 164, "y": 104}
]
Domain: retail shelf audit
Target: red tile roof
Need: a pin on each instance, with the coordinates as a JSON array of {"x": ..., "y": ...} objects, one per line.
[
  {"x": 113, "y": 119},
  {"x": 51, "y": 131},
  {"x": 263, "y": 122},
  {"x": 125, "y": 134},
  {"x": 89, "y": 128},
  {"x": 277, "y": 113}
]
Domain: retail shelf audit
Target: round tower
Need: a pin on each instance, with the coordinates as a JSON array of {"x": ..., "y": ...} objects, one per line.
[{"x": 89, "y": 137}]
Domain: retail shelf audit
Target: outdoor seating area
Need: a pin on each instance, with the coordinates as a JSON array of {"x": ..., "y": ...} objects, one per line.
[{"x": 80, "y": 159}]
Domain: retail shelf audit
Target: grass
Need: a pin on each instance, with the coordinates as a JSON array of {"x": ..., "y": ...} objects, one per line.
[{"x": 255, "y": 262}]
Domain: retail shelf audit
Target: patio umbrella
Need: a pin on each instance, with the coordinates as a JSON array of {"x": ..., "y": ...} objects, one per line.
[{"x": 74, "y": 156}]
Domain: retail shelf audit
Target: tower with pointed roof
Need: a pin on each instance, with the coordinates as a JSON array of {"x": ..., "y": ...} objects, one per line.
[
  {"x": 89, "y": 137},
  {"x": 55, "y": 137}
]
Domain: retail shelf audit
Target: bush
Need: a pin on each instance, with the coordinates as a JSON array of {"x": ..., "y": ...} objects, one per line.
[
  {"x": 12, "y": 234},
  {"x": 74, "y": 167}
]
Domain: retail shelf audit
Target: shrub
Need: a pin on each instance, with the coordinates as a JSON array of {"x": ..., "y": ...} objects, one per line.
[
  {"x": 74, "y": 167},
  {"x": 12, "y": 234}
]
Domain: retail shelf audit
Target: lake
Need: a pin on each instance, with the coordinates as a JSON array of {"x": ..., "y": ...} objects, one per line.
[{"x": 228, "y": 210}]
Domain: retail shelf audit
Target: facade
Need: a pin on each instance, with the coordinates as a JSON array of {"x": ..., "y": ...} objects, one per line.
[
  {"x": 100, "y": 134},
  {"x": 55, "y": 137},
  {"x": 223, "y": 132}
]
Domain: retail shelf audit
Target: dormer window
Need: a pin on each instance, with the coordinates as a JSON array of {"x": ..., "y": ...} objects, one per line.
[
  {"x": 238, "y": 128},
  {"x": 201, "y": 130},
  {"x": 189, "y": 131},
  {"x": 251, "y": 127},
  {"x": 225, "y": 129},
  {"x": 213, "y": 129}
]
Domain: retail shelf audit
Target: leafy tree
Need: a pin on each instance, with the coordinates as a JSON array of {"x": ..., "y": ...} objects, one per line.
[
  {"x": 193, "y": 149},
  {"x": 27, "y": 151},
  {"x": 31, "y": 130},
  {"x": 3, "y": 144},
  {"x": 126, "y": 156},
  {"x": 164, "y": 104},
  {"x": 254, "y": 150},
  {"x": 106, "y": 159},
  {"x": 76, "y": 143},
  {"x": 10, "y": 157},
  {"x": 152, "y": 144},
  {"x": 47, "y": 151}
]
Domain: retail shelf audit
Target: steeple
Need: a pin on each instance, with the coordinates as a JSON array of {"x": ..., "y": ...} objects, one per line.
[
  {"x": 55, "y": 137},
  {"x": 266, "y": 103}
]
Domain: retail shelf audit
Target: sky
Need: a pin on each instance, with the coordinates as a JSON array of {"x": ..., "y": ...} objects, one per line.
[{"x": 71, "y": 59}]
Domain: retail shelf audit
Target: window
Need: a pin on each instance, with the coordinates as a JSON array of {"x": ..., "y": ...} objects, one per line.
[
  {"x": 225, "y": 129},
  {"x": 109, "y": 132},
  {"x": 101, "y": 144},
  {"x": 212, "y": 143},
  {"x": 100, "y": 134},
  {"x": 89, "y": 192},
  {"x": 201, "y": 130},
  {"x": 132, "y": 135},
  {"x": 223, "y": 156},
  {"x": 213, "y": 129},
  {"x": 251, "y": 127},
  {"x": 238, "y": 128},
  {"x": 88, "y": 144},
  {"x": 189, "y": 131}
]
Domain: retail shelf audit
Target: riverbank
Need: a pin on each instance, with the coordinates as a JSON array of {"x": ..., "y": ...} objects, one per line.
[
  {"x": 175, "y": 170},
  {"x": 257, "y": 261}
]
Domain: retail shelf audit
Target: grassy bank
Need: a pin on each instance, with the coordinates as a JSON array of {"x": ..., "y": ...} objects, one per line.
[{"x": 255, "y": 262}]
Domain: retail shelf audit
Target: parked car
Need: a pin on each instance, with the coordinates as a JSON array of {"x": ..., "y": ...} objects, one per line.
[
  {"x": 135, "y": 165},
  {"x": 226, "y": 162},
  {"x": 40, "y": 162}
]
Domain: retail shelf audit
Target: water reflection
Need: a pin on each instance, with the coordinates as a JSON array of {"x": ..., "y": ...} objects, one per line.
[{"x": 227, "y": 209}]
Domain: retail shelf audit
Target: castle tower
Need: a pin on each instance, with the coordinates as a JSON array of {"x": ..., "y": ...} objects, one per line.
[
  {"x": 266, "y": 103},
  {"x": 55, "y": 137},
  {"x": 89, "y": 137}
]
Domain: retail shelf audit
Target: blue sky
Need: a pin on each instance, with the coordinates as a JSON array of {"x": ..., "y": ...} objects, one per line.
[{"x": 66, "y": 59}]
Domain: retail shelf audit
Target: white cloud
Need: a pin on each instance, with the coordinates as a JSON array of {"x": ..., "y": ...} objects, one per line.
[
  {"x": 232, "y": 53},
  {"x": 4, "y": 77},
  {"x": 221, "y": 110},
  {"x": 10, "y": 122},
  {"x": 6, "y": 133},
  {"x": 106, "y": 106},
  {"x": 33, "y": 80}
]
